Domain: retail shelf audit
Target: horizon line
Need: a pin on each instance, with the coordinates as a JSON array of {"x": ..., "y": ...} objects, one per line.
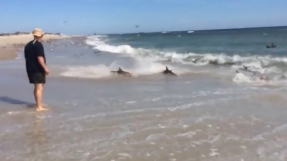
[{"x": 215, "y": 29}]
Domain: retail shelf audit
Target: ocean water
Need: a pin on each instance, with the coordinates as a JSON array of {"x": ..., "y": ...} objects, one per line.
[{"x": 207, "y": 113}]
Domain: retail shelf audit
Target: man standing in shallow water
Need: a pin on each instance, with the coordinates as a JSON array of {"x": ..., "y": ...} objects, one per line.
[{"x": 36, "y": 67}]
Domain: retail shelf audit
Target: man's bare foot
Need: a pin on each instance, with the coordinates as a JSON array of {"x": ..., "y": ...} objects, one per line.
[{"x": 41, "y": 109}]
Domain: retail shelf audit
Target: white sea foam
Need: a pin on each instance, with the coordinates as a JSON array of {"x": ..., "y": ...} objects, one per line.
[
  {"x": 97, "y": 71},
  {"x": 258, "y": 79},
  {"x": 145, "y": 63},
  {"x": 241, "y": 78},
  {"x": 253, "y": 61},
  {"x": 141, "y": 67},
  {"x": 149, "y": 61}
]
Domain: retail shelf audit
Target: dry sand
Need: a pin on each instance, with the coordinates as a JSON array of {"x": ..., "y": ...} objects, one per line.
[{"x": 9, "y": 45}]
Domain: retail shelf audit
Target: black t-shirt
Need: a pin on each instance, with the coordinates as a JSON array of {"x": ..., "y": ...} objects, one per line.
[{"x": 32, "y": 51}]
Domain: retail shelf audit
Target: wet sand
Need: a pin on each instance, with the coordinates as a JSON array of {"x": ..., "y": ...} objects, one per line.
[{"x": 6, "y": 54}]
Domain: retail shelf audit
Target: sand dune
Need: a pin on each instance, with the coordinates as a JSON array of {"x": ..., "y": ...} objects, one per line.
[{"x": 10, "y": 44}]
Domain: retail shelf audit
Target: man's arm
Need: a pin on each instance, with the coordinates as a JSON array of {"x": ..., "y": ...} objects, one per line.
[
  {"x": 40, "y": 57},
  {"x": 42, "y": 62}
]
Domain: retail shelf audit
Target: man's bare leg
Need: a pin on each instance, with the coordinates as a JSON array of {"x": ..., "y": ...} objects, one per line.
[{"x": 38, "y": 92}]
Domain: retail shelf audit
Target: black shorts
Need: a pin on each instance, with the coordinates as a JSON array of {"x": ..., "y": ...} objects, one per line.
[{"x": 37, "y": 78}]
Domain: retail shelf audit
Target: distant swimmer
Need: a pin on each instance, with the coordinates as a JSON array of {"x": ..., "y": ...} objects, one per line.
[
  {"x": 271, "y": 46},
  {"x": 168, "y": 71},
  {"x": 121, "y": 72}
]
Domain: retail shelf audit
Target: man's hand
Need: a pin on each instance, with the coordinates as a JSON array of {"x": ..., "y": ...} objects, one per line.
[
  {"x": 42, "y": 63},
  {"x": 47, "y": 71}
]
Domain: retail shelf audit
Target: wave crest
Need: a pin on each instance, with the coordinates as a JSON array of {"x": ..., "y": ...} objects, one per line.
[{"x": 149, "y": 61}]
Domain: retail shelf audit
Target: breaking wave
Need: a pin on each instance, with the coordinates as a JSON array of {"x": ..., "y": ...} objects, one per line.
[
  {"x": 261, "y": 64},
  {"x": 151, "y": 61},
  {"x": 140, "y": 67}
]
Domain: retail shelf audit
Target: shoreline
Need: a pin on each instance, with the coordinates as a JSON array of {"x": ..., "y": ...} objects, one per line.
[
  {"x": 11, "y": 45},
  {"x": 8, "y": 53}
]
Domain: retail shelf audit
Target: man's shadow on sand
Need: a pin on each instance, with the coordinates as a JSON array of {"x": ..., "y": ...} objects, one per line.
[{"x": 14, "y": 101}]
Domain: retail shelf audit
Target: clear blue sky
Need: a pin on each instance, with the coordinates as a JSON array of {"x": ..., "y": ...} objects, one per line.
[{"x": 120, "y": 16}]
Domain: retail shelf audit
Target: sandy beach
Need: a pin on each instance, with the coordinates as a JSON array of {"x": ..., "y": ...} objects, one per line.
[
  {"x": 204, "y": 114},
  {"x": 10, "y": 45}
]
